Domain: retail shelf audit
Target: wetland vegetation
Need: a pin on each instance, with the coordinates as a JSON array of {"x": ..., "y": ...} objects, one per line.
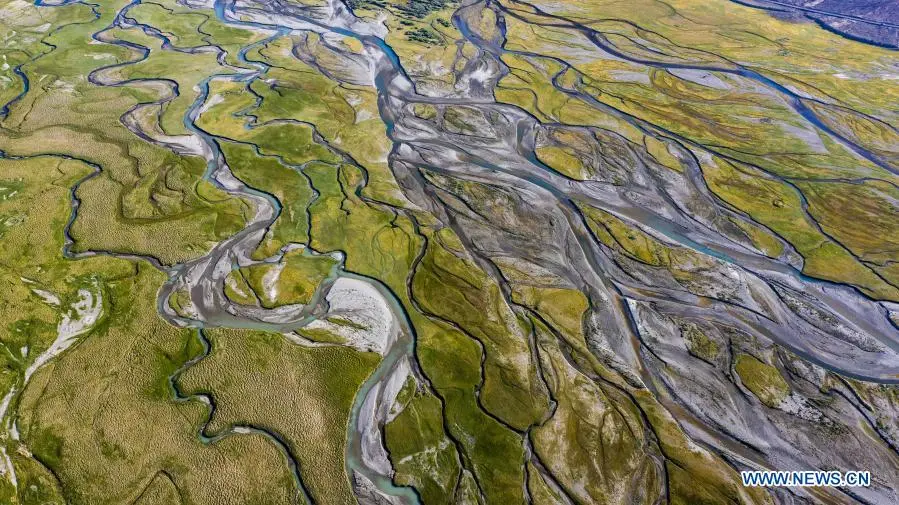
[{"x": 434, "y": 252}]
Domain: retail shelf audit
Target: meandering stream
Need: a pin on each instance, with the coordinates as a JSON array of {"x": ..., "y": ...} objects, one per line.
[{"x": 766, "y": 306}]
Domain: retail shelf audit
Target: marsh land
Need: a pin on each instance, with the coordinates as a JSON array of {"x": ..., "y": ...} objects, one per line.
[{"x": 442, "y": 252}]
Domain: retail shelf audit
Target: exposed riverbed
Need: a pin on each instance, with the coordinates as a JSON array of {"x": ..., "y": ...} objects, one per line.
[{"x": 829, "y": 326}]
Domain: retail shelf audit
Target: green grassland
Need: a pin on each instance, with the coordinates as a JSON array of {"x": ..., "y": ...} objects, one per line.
[
  {"x": 781, "y": 47},
  {"x": 287, "y": 184},
  {"x": 159, "y": 195},
  {"x": 84, "y": 418},
  {"x": 509, "y": 398},
  {"x": 778, "y": 206},
  {"x": 346, "y": 116},
  {"x": 762, "y": 379},
  {"x": 331, "y": 204},
  {"x": 381, "y": 243},
  {"x": 591, "y": 444},
  {"x": 292, "y": 281},
  {"x": 302, "y": 394},
  {"x": 766, "y": 145},
  {"x": 424, "y": 455}
]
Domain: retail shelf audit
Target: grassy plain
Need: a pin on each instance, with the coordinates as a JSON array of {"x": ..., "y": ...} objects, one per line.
[
  {"x": 779, "y": 154},
  {"x": 81, "y": 418},
  {"x": 511, "y": 379},
  {"x": 301, "y": 394}
]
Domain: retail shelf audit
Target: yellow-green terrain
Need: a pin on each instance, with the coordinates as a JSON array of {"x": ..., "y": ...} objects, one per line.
[{"x": 425, "y": 252}]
